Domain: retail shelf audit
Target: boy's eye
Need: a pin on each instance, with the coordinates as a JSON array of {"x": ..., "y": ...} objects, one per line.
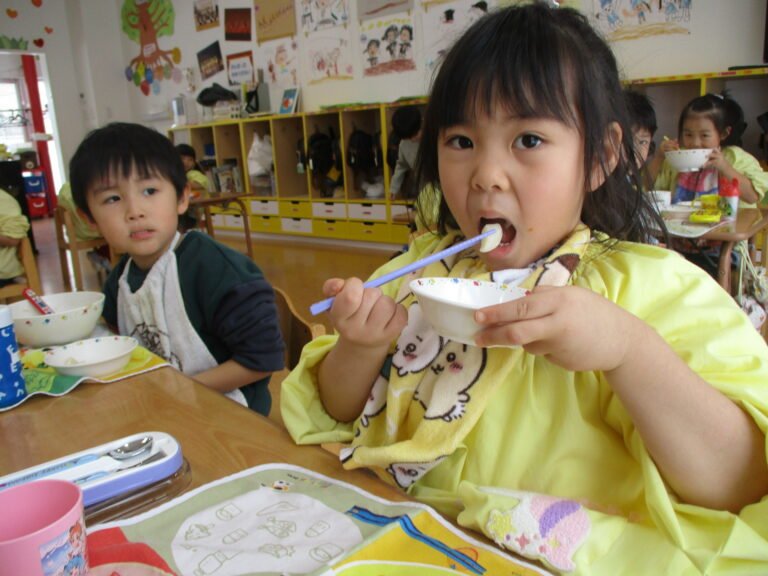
[
  {"x": 527, "y": 141},
  {"x": 149, "y": 191},
  {"x": 111, "y": 198},
  {"x": 461, "y": 142}
]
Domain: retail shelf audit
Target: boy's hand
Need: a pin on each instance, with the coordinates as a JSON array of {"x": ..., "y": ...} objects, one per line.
[
  {"x": 364, "y": 316},
  {"x": 573, "y": 327}
]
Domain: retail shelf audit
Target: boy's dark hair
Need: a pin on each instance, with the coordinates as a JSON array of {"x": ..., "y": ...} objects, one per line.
[
  {"x": 724, "y": 112},
  {"x": 641, "y": 112},
  {"x": 540, "y": 62},
  {"x": 406, "y": 122},
  {"x": 119, "y": 149}
]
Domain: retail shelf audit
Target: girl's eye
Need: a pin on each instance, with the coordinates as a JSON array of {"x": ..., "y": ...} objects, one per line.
[
  {"x": 527, "y": 141},
  {"x": 460, "y": 142}
]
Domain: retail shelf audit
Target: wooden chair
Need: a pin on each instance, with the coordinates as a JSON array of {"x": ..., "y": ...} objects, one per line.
[
  {"x": 27, "y": 258},
  {"x": 66, "y": 238},
  {"x": 296, "y": 331}
]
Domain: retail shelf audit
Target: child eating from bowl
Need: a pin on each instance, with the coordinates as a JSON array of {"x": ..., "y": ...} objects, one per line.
[
  {"x": 706, "y": 122},
  {"x": 202, "y": 306}
]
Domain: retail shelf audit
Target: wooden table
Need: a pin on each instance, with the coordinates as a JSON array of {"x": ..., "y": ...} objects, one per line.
[
  {"x": 217, "y": 436},
  {"x": 225, "y": 201},
  {"x": 749, "y": 222}
]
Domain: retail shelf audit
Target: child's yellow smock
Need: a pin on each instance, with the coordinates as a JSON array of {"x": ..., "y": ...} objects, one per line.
[
  {"x": 554, "y": 468},
  {"x": 741, "y": 160},
  {"x": 83, "y": 231},
  {"x": 199, "y": 182},
  {"x": 13, "y": 224}
]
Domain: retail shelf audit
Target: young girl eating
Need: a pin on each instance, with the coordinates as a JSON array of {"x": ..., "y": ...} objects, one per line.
[
  {"x": 614, "y": 420},
  {"x": 705, "y": 123}
]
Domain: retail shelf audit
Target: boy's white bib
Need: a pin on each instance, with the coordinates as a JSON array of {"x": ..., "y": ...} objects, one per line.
[{"x": 156, "y": 317}]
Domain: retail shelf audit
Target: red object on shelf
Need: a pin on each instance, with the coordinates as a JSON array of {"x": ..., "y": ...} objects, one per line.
[{"x": 38, "y": 205}]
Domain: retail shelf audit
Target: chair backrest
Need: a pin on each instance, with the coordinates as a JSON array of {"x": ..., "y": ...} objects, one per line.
[
  {"x": 27, "y": 258},
  {"x": 297, "y": 332}
]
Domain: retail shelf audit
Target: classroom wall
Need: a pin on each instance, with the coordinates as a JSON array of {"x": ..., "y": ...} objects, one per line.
[{"x": 87, "y": 54}]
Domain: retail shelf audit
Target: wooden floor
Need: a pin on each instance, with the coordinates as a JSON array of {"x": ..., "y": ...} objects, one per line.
[{"x": 299, "y": 268}]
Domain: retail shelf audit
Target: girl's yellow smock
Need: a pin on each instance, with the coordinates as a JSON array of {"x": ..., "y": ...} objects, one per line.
[
  {"x": 553, "y": 468},
  {"x": 13, "y": 225}
]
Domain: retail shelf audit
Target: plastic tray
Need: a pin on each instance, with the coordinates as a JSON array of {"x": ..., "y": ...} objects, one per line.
[{"x": 100, "y": 476}]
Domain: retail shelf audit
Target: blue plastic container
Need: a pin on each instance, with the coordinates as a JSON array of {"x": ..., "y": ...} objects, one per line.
[{"x": 12, "y": 387}]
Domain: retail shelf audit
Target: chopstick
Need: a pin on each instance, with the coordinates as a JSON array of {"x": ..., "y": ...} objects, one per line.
[
  {"x": 325, "y": 305},
  {"x": 36, "y": 301}
]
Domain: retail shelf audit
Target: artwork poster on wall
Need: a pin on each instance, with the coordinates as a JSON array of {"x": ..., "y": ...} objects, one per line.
[
  {"x": 275, "y": 19},
  {"x": 444, "y": 23},
  {"x": 282, "y": 62},
  {"x": 323, "y": 14},
  {"x": 209, "y": 60},
  {"x": 328, "y": 57},
  {"x": 237, "y": 24},
  {"x": 206, "y": 13},
  {"x": 367, "y": 9},
  {"x": 386, "y": 45},
  {"x": 152, "y": 63},
  {"x": 632, "y": 19},
  {"x": 240, "y": 68}
]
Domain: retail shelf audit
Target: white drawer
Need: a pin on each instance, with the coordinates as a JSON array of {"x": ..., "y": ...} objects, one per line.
[
  {"x": 367, "y": 211},
  {"x": 302, "y": 225},
  {"x": 329, "y": 210},
  {"x": 397, "y": 210},
  {"x": 219, "y": 220},
  {"x": 233, "y": 221},
  {"x": 268, "y": 207}
]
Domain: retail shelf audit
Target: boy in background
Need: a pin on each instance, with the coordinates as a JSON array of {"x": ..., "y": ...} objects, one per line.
[
  {"x": 202, "y": 306},
  {"x": 406, "y": 125},
  {"x": 643, "y": 119}
]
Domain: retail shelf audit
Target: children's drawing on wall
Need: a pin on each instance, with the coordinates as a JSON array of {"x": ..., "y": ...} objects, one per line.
[
  {"x": 631, "y": 19},
  {"x": 444, "y": 23},
  {"x": 328, "y": 58},
  {"x": 21, "y": 43},
  {"x": 209, "y": 60},
  {"x": 377, "y": 8},
  {"x": 275, "y": 19},
  {"x": 240, "y": 68},
  {"x": 282, "y": 63},
  {"x": 237, "y": 24},
  {"x": 387, "y": 45},
  {"x": 323, "y": 14},
  {"x": 144, "y": 22},
  {"x": 206, "y": 14}
]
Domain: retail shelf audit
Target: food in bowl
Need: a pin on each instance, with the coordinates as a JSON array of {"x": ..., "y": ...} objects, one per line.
[
  {"x": 93, "y": 357},
  {"x": 688, "y": 160},
  {"x": 75, "y": 317},
  {"x": 449, "y": 304}
]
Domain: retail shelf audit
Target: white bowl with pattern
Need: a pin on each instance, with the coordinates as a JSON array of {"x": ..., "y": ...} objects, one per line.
[
  {"x": 688, "y": 160},
  {"x": 93, "y": 357},
  {"x": 75, "y": 316},
  {"x": 449, "y": 304}
]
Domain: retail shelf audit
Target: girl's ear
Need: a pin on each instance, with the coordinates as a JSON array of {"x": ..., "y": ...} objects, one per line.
[
  {"x": 726, "y": 133},
  {"x": 610, "y": 156}
]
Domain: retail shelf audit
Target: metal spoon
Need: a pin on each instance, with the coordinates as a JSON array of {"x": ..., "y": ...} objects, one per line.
[{"x": 123, "y": 452}]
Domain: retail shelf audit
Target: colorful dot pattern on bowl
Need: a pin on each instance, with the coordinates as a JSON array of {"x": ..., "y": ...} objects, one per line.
[
  {"x": 64, "y": 317},
  {"x": 493, "y": 285},
  {"x": 80, "y": 343}
]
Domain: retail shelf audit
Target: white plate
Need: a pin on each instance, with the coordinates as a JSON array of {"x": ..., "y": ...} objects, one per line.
[{"x": 93, "y": 357}]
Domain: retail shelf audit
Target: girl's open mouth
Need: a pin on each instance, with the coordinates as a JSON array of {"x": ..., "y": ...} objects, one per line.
[{"x": 508, "y": 231}]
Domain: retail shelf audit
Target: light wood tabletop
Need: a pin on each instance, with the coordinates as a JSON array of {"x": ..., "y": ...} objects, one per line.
[{"x": 218, "y": 437}]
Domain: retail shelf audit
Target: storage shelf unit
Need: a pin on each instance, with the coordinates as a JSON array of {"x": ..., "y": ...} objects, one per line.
[{"x": 290, "y": 203}]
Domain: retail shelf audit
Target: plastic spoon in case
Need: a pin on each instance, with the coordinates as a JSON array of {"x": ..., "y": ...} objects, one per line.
[{"x": 489, "y": 238}]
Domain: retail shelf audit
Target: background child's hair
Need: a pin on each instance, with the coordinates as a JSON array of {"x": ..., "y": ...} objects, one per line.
[
  {"x": 119, "y": 150},
  {"x": 641, "y": 112},
  {"x": 541, "y": 62},
  {"x": 406, "y": 122},
  {"x": 187, "y": 150},
  {"x": 724, "y": 112}
]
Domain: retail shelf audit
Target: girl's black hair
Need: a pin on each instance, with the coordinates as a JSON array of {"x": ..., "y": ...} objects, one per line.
[
  {"x": 120, "y": 149},
  {"x": 540, "y": 62},
  {"x": 187, "y": 150},
  {"x": 724, "y": 112}
]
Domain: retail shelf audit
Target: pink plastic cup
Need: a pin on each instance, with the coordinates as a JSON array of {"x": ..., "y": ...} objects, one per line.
[{"x": 42, "y": 530}]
